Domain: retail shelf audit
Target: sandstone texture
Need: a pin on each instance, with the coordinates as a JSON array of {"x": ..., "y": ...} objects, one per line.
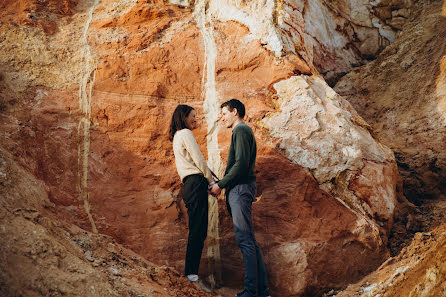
[
  {"x": 42, "y": 256},
  {"x": 419, "y": 270},
  {"x": 402, "y": 95},
  {"x": 334, "y": 35},
  {"x": 85, "y": 109}
]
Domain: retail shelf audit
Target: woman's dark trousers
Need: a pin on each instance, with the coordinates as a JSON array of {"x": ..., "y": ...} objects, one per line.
[{"x": 195, "y": 196}]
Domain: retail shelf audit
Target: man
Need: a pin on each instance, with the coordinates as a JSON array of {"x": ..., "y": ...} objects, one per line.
[{"x": 239, "y": 182}]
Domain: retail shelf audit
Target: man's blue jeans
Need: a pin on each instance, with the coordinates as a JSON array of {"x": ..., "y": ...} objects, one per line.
[{"x": 240, "y": 200}]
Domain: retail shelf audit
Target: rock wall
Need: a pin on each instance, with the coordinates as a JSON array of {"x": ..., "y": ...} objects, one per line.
[
  {"x": 334, "y": 35},
  {"x": 85, "y": 109},
  {"x": 401, "y": 95},
  {"x": 41, "y": 256},
  {"x": 419, "y": 270}
]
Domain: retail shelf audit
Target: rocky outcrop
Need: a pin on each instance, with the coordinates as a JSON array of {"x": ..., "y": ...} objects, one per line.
[
  {"x": 336, "y": 35},
  {"x": 419, "y": 270},
  {"x": 401, "y": 95},
  {"x": 321, "y": 132},
  {"x": 331, "y": 37},
  {"x": 85, "y": 109},
  {"x": 42, "y": 256},
  {"x": 41, "y": 14}
]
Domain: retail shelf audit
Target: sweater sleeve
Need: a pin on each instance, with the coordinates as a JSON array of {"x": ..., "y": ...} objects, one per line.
[
  {"x": 196, "y": 155},
  {"x": 242, "y": 155}
]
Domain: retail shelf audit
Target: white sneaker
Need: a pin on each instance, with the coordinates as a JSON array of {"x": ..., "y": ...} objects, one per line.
[{"x": 192, "y": 277}]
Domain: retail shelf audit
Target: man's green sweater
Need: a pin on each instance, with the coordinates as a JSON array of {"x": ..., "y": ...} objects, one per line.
[{"x": 241, "y": 158}]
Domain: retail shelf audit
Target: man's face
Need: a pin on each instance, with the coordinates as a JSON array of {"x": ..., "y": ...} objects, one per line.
[{"x": 228, "y": 117}]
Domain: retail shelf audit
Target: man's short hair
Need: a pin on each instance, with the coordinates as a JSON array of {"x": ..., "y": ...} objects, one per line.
[{"x": 237, "y": 104}]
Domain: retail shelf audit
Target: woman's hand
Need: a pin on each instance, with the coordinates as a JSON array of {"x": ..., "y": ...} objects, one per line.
[{"x": 214, "y": 190}]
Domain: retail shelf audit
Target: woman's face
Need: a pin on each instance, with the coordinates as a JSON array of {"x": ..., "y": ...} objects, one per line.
[{"x": 191, "y": 122}]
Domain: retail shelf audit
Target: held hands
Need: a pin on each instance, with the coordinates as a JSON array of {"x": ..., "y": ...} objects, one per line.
[{"x": 214, "y": 190}]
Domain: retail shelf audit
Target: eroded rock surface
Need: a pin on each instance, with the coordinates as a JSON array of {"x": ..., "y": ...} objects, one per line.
[
  {"x": 401, "y": 95},
  {"x": 419, "y": 270},
  {"x": 85, "y": 109},
  {"x": 42, "y": 256},
  {"x": 334, "y": 35}
]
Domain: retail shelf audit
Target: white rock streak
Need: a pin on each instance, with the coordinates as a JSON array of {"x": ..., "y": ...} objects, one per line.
[
  {"x": 87, "y": 76},
  {"x": 211, "y": 109},
  {"x": 440, "y": 89}
]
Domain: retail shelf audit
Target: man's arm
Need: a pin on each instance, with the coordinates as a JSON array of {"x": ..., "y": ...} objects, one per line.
[{"x": 242, "y": 149}]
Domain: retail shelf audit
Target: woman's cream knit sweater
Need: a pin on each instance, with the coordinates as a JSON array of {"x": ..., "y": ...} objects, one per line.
[{"x": 188, "y": 157}]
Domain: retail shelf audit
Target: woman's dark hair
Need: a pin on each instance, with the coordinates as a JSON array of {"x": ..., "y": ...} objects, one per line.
[
  {"x": 237, "y": 104},
  {"x": 179, "y": 119}
]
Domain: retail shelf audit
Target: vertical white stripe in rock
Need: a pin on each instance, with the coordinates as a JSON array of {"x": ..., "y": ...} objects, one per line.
[
  {"x": 211, "y": 110},
  {"x": 87, "y": 76},
  {"x": 440, "y": 89}
]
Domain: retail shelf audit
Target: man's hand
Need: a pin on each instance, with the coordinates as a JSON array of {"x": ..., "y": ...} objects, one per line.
[{"x": 215, "y": 190}]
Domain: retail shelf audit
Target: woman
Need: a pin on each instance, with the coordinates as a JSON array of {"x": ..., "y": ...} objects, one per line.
[{"x": 196, "y": 177}]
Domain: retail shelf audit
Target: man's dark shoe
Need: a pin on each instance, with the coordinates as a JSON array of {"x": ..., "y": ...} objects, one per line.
[
  {"x": 240, "y": 294},
  {"x": 244, "y": 294}
]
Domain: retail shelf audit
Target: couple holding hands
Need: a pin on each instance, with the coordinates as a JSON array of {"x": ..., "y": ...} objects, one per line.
[{"x": 239, "y": 182}]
